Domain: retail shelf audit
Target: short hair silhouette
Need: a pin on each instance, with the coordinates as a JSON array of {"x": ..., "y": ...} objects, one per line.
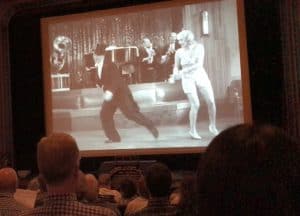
[
  {"x": 158, "y": 179},
  {"x": 128, "y": 187},
  {"x": 57, "y": 157},
  {"x": 249, "y": 170},
  {"x": 8, "y": 180}
]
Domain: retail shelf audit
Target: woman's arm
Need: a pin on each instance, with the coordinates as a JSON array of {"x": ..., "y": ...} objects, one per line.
[
  {"x": 197, "y": 59},
  {"x": 176, "y": 75}
]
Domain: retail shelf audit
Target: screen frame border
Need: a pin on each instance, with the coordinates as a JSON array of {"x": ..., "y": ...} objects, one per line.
[{"x": 244, "y": 65}]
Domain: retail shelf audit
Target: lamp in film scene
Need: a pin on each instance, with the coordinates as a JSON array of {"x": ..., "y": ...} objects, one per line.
[{"x": 204, "y": 22}]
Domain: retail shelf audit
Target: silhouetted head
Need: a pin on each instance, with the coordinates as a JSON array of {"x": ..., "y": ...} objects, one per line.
[
  {"x": 58, "y": 158},
  {"x": 128, "y": 188},
  {"x": 8, "y": 180},
  {"x": 104, "y": 180},
  {"x": 158, "y": 180},
  {"x": 249, "y": 170}
]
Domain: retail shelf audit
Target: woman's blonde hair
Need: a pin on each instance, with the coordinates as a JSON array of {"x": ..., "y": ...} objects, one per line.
[{"x": 186, "y": 35}]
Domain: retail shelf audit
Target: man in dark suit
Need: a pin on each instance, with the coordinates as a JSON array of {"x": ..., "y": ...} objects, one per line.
[
  {"x": 90, "y": 70},
  {"x": 167, "y": 58},
  {"x": 118, "y": 95}
]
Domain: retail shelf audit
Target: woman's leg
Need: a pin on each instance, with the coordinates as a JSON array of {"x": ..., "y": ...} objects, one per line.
[
  {"x": 208, "y": 95},
  {"x": 193, "y": 114}
]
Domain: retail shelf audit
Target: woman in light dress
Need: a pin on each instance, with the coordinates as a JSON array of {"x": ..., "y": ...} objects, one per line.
[{"x": 189, "y": 68}]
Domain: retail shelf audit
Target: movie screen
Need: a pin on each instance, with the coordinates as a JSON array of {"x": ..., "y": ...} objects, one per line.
[{"x": 157, "y": 78}]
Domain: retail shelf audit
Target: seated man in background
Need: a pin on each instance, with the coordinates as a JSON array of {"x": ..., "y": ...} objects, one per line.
[
  {"x": 58, "y": 162},
  {"x": 81, "y": 187},
  {"x": 106, "y": 193},
  {"x": 91, "y": 194},
  {"x": 38, "y": 184},
  {"x": 185, "y": 196},
  {"x": 167, "y": 58},
  {"x": 8, "y": 185},
  {"x": 141, "y": 201},
  {"x": 149, "y": 59},
  {"x": 158, "y": 180},
  {"x": 41, "y": 193},
  {"x": 128, "y": 190},
  {"x": 92, "y": 62}
]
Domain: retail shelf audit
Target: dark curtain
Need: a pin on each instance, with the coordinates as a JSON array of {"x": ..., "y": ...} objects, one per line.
[{"x": 290, "y": 28}]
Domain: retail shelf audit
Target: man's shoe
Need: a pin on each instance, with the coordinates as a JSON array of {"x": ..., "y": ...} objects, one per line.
[{"x": 154, "y": 132}]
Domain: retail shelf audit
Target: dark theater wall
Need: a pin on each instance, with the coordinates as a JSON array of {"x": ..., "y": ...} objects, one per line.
[
  {"x": 272, "y": 72},
  {"x": 265, "y": 61}
]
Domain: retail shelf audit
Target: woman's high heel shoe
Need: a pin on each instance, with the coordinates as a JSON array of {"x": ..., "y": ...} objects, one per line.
[
  {"x": 213, "y": 129},
  {"x": 195, "y": 135}
]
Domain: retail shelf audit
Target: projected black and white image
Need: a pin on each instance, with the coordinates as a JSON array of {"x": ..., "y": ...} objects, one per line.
[{"x": 157, "y": 80}]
